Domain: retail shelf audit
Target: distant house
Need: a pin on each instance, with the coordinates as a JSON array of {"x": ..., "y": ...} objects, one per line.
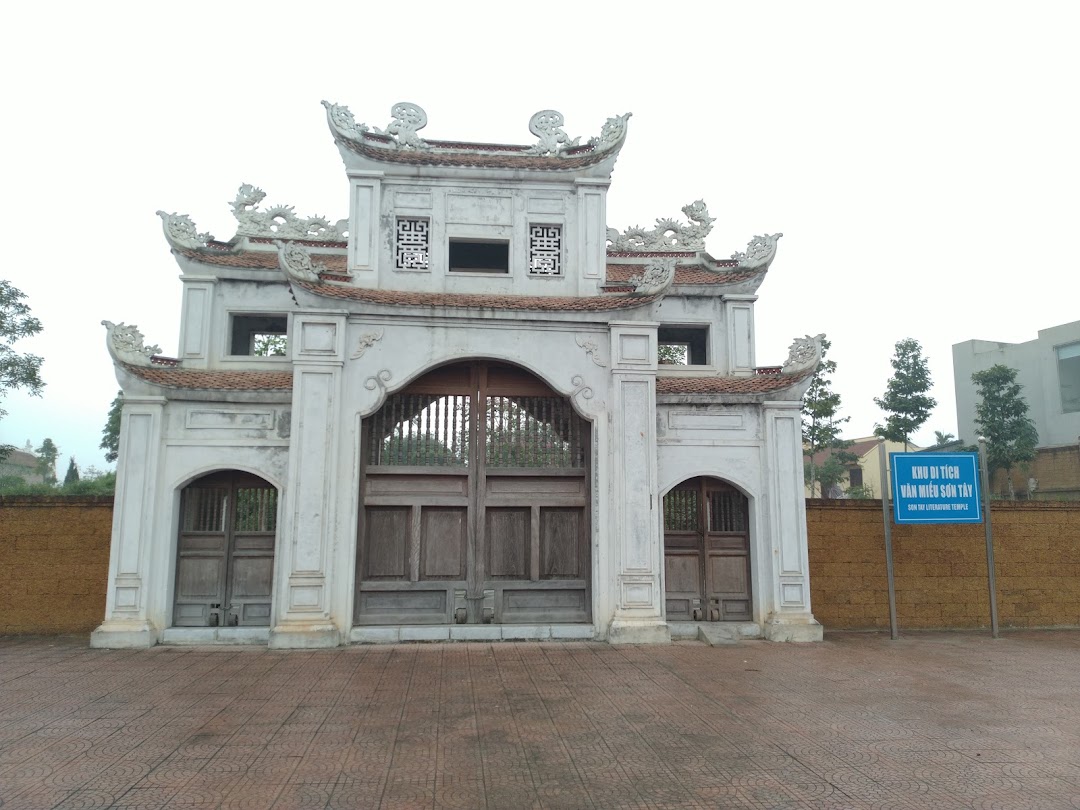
[
  {"x": 1049, "y": 370},
  {"x": 863, "y": 474},
  {"x": 21, "y": 464}
]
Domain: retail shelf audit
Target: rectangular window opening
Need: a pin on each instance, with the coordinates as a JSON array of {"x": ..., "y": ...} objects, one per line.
[
  {"x": 479, "y": 256},
  {"x": 259, "y": 335},
  {"x": 683, "y": 345},
  {"x": 1069, "y": 377}
]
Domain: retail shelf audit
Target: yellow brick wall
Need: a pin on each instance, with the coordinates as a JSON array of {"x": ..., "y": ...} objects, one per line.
[
  {"x": 54, "y": 563},
  {"x": 940, "y": 571}
]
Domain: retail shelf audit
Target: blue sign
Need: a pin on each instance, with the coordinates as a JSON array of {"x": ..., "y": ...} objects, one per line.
[{"x": 936, "y": 487}]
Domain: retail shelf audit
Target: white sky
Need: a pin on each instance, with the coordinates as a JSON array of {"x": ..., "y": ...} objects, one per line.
[{"x": 922, "y": 159}]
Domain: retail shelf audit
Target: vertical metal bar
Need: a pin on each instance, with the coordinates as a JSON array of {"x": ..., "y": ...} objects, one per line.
[
  {"x": 887, "y": 519},
  {"x": 984, "y": 475}
]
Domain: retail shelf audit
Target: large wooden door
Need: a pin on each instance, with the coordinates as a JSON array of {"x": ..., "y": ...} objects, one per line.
[
  {"x": 475, "y": 503},
  {"x": 225, "y": 552},
  {"x": 707, "y": 552}
]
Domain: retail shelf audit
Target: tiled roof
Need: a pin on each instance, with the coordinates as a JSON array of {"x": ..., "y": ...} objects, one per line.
[
  {"x": 595, "y": 303},
  {"x": 476, "y": 155},
  {"x": 621, "y": 273},
  {"x": 757, "y": 384},
  {"x": 336, "y": 263},
  {"x": 217, "y": 380}
]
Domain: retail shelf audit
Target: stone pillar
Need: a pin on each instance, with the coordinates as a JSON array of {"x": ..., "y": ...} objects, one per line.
[
  {"x": 126, "y": 616},
  {"x": 639, "y": 595},
  {"x": 302, "y": 589},
  {"x": 790, "y": 618}
]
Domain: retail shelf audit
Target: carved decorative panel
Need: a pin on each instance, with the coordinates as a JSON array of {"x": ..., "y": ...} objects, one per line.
[
  {"x": 545, "y": 250},
  {"x": 411, "y": 243}
]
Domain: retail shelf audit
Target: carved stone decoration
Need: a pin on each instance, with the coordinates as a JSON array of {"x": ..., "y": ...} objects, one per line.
[
  {"x": 367, "y": 340},
  {"x": 409, "y": 119},
  {"x": 295, "y": 261},
  {"x": 580, "y": 389},
  {"x": 760, "y": 252},
  {"x": 126, "y": 344},
  {"x": 592, "y": 350},
  {"x": 668, "y": 234},
  {"x": 611, "y": 134},
  {"x": 181, "y": 232},
  {"x": 803, "y": 354},
  {"x": 378, "y": 380},
  {"x": 280, "y": 220},
  {"x": 657, "y": 277},
  {"x": 342, "y": 122},
  {"x": 547, "y": 126}
]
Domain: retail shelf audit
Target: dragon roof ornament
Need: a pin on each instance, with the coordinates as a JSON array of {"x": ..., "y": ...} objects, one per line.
[
  {"x": 295, "y": 261},
  {"x": 668, "y": 233},
  {"x": 759, "y": 254},
  {"x": 658, "y": 276},
  {"x": 125, "y": 343},
  {"x": 803, "y": 355},
  {"x": 280, "y": 221},
  {"x": 180, "y": 231}
]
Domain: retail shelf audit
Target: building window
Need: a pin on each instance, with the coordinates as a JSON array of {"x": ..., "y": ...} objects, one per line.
[
  {"x": 683, "y": 345},
  {"x": 1068, "y": 362},
  {"x": 855, "y": 477},
  {"x": 545, "y": 250},
  {"x": 259, "y": 335},
  {"x": 479, "y": 256},
  {"x": 411, "y": 243}
]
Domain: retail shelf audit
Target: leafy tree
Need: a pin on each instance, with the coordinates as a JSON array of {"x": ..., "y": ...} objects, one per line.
[
  {"x": 942, "y": 438},
  {"x": 47, "y": 455},
  {"x": 16, "y": 370},
  {"x": 672, "y": 355},
  {"x": 110, "y": 434},
  {"x": 270, "y": 345},
  {"x": 72, "y": 476},
  {"x": 1001, "y": 416},
  {"x": 821, "y": 425},
  {"x": 830, "y": 472},
  {"x": 906, "y": 400}
]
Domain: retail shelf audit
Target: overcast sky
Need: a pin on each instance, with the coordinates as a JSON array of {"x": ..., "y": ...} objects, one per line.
[{"x": 921, "y": 159}]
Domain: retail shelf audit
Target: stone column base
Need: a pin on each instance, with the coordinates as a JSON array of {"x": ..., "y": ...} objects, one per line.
[
  {"x": 124, "y": 634},
  {"x": 640, "y": 631},
  {"x": 304, "y": 636},
  {"x": 797, "y": 627}
]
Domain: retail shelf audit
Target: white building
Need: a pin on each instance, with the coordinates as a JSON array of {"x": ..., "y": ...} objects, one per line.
[{"x": 466, "y": 433}]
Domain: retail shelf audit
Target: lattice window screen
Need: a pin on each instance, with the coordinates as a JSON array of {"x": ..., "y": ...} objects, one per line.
[
  {"x": 411, "y": 243},
  {"x": 545, "y": 250}
]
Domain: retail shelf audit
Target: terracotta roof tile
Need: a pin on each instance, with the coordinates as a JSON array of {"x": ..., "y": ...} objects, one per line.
[
  {"x": 336, "y": 263},
  {"x": 217, "y": 380},
  {"x": 477, "y": 155},
  {"x": 469, "y": 300},
  {"x": 757, "y": 384},
  {"x": 619, "y": 273}
]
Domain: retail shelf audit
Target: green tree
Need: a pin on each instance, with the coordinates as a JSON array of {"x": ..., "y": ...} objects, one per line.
[
  {"x": 906, "y": 401},
  {"x": 16, "y": 370},
  {"x": 942, "y": 438},
  {"x": 72, "y": 475},
  {"x": 821, "y": 425},
  {"x": 110, "y": 434},
  {"x": 270, "y": 345},
  {"x": 47, "y": 455},
  {"x": 1001, "y": 417}
]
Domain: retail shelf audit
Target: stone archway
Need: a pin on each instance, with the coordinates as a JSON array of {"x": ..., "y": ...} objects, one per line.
[
  {"x": 225, "y": 551},
  {"x": 475, "y": 496},
  {"x": 707, "y": 552}
]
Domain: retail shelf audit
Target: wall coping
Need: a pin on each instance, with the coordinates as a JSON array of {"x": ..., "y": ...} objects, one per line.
[
  {"x": 995, "y": 505},
  {"x": 56, "y": 500}
]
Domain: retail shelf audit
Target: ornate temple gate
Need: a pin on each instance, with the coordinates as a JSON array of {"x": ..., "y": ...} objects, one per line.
[
  {"x": 225, "y": 552},
  {"x": 475, "y": 493},
  {"x": 707, "y": 552}
]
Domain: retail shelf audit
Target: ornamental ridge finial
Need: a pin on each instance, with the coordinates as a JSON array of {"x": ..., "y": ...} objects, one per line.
[
  {"x": 668, "y": 234},
  {"x": 547, "y": 126},
  {"x": 180, "y": 231},
  {"x": 658, "y": 276},
  {"x": 803, "y": 354},
  {"x": 281, "y": 221},
  {"x": 125, "y": 344},
  {"x": 760, "y": 252},
  {"x": 409, "y": 119},
  {"x": 295, "y": 261}
]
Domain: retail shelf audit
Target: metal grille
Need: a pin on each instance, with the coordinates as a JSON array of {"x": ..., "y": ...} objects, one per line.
[
  {"x": 534, "y": 432},
  {"x": 256, "y": 509},
  {"x": 727, "y": 512},
  {"x": 545, "y": 250},
  {"x": 204, "y": 509},
  {"x": 411, "y": 244},
  {"x": 681, "y": 510},
  {"x": 421, "y": 430}
]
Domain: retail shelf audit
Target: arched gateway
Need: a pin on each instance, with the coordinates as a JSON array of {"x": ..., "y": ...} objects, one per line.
[{"x": 475, "y": 494}]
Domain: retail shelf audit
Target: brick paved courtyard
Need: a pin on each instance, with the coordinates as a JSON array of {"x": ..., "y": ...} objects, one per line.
[{"x": 933, "y": 720}]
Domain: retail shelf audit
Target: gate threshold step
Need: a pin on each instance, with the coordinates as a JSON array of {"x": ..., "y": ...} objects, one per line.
[
  {"x": 714, "y": 633},
  {"x": 472, "y": 632},
  {"x": 216, "y": 635}
]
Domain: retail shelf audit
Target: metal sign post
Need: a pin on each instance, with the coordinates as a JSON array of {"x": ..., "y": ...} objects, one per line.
[
  {"x": 885, "y": 516},
  {"x": 983, "y": 467}
]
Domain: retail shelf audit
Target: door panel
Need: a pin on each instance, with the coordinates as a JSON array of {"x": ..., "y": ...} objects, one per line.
[{"x": 491, "y": 467}]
